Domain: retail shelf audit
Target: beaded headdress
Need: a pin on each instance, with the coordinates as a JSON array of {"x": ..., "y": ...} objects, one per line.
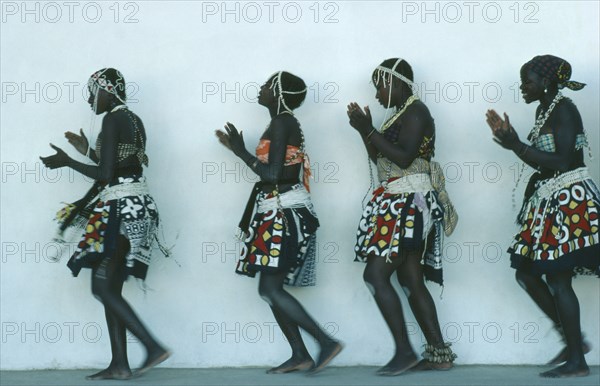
[
  {"x": 386, "y": 74},
  {"x": 109, "y": 80},
  {"x": 276, "y": 86}
]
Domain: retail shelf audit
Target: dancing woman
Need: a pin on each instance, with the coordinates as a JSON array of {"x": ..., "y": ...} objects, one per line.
[
  {"x": 402, "y": 225},
  {"x": 117, "y": 218},
  {"x": 280, "y": 238},
  {"x": 559, "y": 217}
]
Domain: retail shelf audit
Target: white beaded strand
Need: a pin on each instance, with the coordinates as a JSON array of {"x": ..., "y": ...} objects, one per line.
[
  {"x": 276, "y": 85},
  {"x": 543, "y": 117},
  {"x": 533, "y": 135},
  {"x": 381, "y": 75}
]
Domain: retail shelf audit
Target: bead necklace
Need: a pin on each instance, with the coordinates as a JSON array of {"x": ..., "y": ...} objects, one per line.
[
  {"x": 119, "y": 107},
  {"x": 543, "y": 117},
  {"x": 386, "y": 126},
  {"x": 533, "y": 136},
  {"x": 393, "y": 118}
]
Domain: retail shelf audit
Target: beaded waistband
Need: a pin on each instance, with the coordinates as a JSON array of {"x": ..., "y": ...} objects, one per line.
[
  {"x": 418, "y": 182},
  {"x": 297, "y": 197},
  {"x": 119, "y": 191},
  {"x": 550, "y": 186}
]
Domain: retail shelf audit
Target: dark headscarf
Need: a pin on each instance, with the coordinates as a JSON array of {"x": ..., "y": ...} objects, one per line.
[
  {"x": 109, "y": 80},
  {"x": 555, "y": 69}
]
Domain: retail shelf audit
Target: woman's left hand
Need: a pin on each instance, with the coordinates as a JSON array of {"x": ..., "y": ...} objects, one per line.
[
  {"x": 234, "y": 139},
  {"x": 359, "y": 119},
  {"x": 223, "y": 138},
  {"x": 58, "y": 160},
  {"x": 504, "y": 134}
]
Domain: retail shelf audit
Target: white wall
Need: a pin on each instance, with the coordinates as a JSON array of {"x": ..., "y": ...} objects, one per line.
[{"x": 179, "y": 58}]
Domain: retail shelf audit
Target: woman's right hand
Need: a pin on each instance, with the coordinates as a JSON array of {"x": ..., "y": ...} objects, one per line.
[
  {"x": 58, "y": 160},
  {"x": 504, "y": 134},
  {"x": 359, "y": 119},
  {"x": 79, "y": 142}
]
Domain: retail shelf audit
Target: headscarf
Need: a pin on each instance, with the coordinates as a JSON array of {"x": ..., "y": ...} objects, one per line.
[
  {"x": 555, "y": 69},
  {"x": 109, "y": 80}
]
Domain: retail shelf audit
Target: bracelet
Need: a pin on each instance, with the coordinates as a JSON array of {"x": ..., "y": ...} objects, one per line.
[
  {"x": 369, "y": 135},
  {"x": 523, "y": 150}
]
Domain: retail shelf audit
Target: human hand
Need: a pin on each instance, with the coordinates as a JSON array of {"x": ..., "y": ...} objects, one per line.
[
  {"x": 504, "y": 134},
  {"x": 359, "y": 119},
  {"x": 79, "y": 142},
  {"x": 58, "y": 160},
  {"x": 223, "y": 138},
  {"x": 235, "y": 139}
]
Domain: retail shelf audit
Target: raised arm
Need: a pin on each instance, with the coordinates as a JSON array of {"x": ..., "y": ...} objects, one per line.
[
  {"x": 104, "y": 171},
  {"x": 270, "y": 172},
  {"x": 362, "y": 122},
  {"x": 567, "y": 124},
  {"x": 81, "y": 144}
]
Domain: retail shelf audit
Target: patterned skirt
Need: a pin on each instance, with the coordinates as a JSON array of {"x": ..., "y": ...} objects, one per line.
[
  {"x": 281, "y": 240},
  {"x": 391, "y": 223},
  {"x": 133, "y": 215},
  {"x": 559, "y": 230}
]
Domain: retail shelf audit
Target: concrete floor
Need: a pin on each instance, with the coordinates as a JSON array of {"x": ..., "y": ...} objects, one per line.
[{"x": 461, "y": 375}]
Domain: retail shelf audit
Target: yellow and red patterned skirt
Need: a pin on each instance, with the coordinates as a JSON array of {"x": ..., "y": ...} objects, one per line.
[
  {"x": 559, "y": 227},
  {"x": 392, "y": 223},
  {"x": 281, "y": 239}
]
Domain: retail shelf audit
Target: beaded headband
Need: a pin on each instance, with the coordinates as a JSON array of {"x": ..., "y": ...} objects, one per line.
[
  {"x": 276, "y": 86},
  {"x": 382, "y": 71}
]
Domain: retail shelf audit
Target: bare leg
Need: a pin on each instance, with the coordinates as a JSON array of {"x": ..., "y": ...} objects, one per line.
[
  {"x": 109, "y": 294},
  {"x": 119, "y": 365},
  {"x": 539, "y": 292},
  {"x": 377, "y": 276},
  {"x": 410, "y": 276},
  {"x": 271, "y": 290},
  {"x": 567, "y": 307},
  {"x": 301, "y": 359}
]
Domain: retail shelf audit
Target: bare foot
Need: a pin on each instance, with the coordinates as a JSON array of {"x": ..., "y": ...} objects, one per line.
[
  {"x": 426, "y": 365},
  {"x": 398, "y": 365},
  {"x": 293, "y": 364},
  {"x": 327, "y": 353},
  {"x": 567, "y": 370},
  {"x": 562, "y": 356},
  {"x": 154, "y": 359},
  {"x": 110, "y": 373}
]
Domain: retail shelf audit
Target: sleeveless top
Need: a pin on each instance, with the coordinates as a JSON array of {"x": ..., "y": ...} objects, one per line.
[
  {"x": 125, "y": 150},
  {"x": 387, "y": 169}
]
